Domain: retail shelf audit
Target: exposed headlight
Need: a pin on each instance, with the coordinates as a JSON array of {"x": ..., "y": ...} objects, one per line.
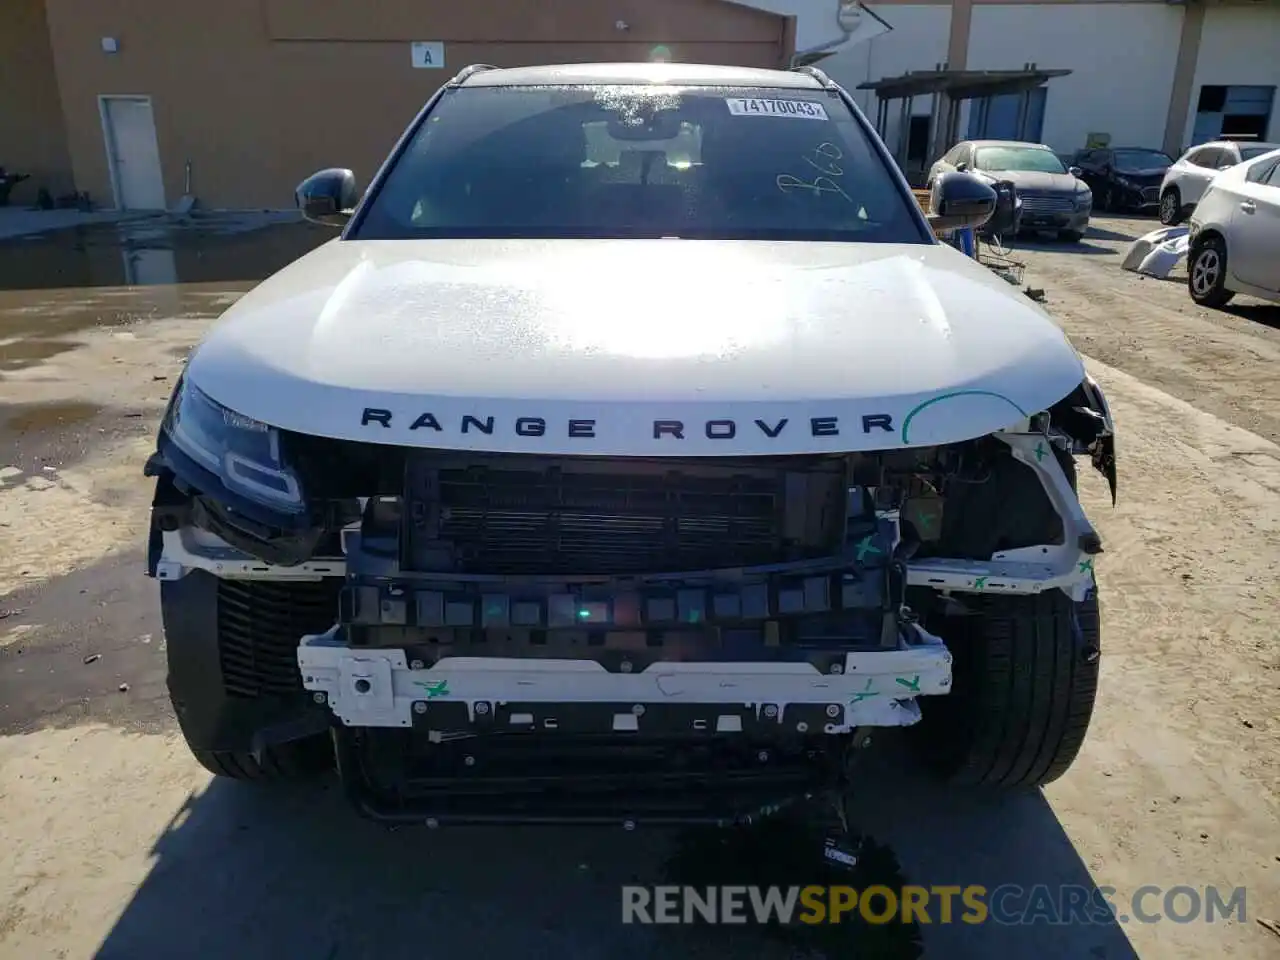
[
  {"x": 1084, "y": 199},
  {"x": 243, "y": 452},
  {"x": 1126, "y": 182}
]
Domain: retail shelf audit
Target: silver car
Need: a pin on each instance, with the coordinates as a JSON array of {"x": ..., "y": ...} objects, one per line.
[{"x": 1054, "y": 198}]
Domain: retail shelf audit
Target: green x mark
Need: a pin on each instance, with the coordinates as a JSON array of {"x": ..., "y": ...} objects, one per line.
[
  {"x": 438, "y": 689},
  {"x": 1086, "y": 566},
  {"x": 925, "y": 521},
  {"x": 979, "y": 583},
  {"x": 866, "y": 692},
  {"x": 1040, "y": 452},
  {"x": 912, "y": 685},
  {"x": 866, "y": 547}
]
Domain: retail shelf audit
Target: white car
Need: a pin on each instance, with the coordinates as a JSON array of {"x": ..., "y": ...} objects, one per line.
[
  {"x": 1234, "y": 235},
  {"x": 1186, "y": 181},
  {"x": 634, "y": 451}
]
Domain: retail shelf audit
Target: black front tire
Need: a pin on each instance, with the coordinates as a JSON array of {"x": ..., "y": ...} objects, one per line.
[
  {"x": 232, "y": 673},
  {"x": 1207, "y": 273},
  {"x": 1071, "y": 236},
  {"x": 1025, "y": 679},
  {"x": 289, "y": 762}
]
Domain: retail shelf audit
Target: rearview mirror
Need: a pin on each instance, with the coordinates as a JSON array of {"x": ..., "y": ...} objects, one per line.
[
  {"x": 959, "y": 201},
  {"x": 660, "y": 125},
  {"x": 1075, "y": 171},
  {"x": 328, "y": 196}
]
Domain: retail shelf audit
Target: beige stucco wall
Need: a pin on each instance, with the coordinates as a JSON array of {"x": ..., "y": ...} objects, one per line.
[
  {"x": 32, "y": 132},
  {"x": 256, "y": 94}
]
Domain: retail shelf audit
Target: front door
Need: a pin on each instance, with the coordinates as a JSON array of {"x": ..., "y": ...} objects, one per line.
[
  {"x": 1254, "y": 256},
  {"x": 132, "y": 154}
]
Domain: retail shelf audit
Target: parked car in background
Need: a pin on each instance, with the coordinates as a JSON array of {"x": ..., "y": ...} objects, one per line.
[
  {"x": 1235, "y": 235},
  {"x": 1123, "y": 179},
  {"x": 1053, "y": 197},
  {"x": 1185, "y": 182}
]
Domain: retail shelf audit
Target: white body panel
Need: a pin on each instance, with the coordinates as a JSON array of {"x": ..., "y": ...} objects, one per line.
[
  {"x": 1255, "y": 233},
  {"x": 929, "y": 345},
  {"x": 1190, "y": 179},
  {"x": 1156, "y": 253}
]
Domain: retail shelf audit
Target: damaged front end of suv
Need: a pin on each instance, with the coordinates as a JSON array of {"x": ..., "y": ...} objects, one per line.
[
  {"x": 511, "y": 637},
  {"x": 634, "y": 452}
]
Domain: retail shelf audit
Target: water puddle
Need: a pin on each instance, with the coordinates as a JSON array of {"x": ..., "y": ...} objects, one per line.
[
  {"x": 36, "y": 417},
  {"x": 159, "y": 251},
  {"x": 61, "y": 283}
]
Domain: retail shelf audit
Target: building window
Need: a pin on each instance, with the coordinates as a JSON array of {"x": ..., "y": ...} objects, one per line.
[{"x": 1231, "y": 112}]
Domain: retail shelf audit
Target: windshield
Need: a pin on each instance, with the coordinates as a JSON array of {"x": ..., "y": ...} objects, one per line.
[
  {"x": 1252, "y": 153},
  {"x": 1131, "y": 160},
  {"x": 1019, "y": 158},
  {"x": 641, "y": 161}
]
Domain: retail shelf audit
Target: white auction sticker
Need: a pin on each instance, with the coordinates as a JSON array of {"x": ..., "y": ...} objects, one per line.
[{"x": 801, "y": 109}]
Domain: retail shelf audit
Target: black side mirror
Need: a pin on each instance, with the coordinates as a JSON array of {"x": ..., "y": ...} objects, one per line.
[
  {"x": 1075, "y": 172},
  {"x": 962, "y": 167},
  {"x": 959, "y": 201},
  {"x": 328, "y": 196}
]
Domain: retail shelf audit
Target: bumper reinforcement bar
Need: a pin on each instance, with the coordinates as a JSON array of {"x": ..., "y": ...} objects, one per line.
[{"x": 377, "y": 687}]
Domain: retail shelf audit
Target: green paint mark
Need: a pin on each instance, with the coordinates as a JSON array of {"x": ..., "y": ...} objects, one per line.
[
  {"x": 906, "y": 424},
  {"x": 438, "y": 689},
  {"x": 980, "y": 583},
  {"x": 1086, "y": 566},
  {"x": 866, "y": 547},
  {"x": 913, "y": 685},
  {"x": 866, "y": 692},
  {"x": 1040, "y": 452}
]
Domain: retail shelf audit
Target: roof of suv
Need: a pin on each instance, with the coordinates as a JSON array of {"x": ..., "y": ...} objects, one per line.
[
  {"x": 683, "y": 74},
  {"x": 1241, "y": 144},
  {"x": 1008, "y": 143}
]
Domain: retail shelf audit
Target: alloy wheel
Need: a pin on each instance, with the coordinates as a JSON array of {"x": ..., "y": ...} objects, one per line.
[{"x": 1205, "y": 271}]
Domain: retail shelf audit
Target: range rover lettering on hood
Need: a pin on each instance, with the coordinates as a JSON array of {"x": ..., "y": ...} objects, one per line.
[{"x": 585, "y": 428}]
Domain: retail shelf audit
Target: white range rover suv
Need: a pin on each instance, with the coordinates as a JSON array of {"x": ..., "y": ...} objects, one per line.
[{"x": 634, "y": 450}]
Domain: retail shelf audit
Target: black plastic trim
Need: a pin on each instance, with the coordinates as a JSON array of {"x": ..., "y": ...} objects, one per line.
[{"x": 576, "y": 793}]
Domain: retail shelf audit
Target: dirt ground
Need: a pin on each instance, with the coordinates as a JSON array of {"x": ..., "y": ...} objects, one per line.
[{"x": 113, "y": 843}]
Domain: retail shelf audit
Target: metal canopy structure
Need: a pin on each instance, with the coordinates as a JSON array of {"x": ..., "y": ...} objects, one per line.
[{"x": 956, "y": 86}]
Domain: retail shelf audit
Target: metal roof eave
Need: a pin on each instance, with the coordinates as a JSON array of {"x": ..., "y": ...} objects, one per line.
[{"x": 960, "y": 84}]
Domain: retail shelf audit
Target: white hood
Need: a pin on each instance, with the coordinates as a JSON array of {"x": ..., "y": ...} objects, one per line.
[{"x": 598, "y": 346}]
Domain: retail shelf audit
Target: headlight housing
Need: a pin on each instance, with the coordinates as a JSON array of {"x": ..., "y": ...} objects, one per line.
[{"x": 242, "y": 452}]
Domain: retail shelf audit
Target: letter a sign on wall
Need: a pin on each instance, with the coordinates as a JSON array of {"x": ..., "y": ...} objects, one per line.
[{"x": 428, "y": 55}]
